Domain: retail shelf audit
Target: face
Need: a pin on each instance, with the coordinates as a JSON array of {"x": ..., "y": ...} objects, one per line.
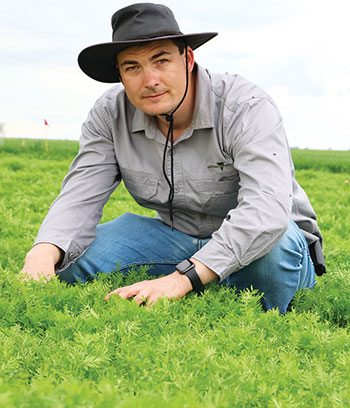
[{"x": 154, "y": 76}]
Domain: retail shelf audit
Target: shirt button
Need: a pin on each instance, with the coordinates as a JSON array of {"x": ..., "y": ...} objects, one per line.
[{"x": 176, "y": 189}]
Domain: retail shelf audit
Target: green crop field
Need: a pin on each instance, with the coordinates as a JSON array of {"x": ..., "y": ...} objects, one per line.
[{"x": 64, "y": 346}]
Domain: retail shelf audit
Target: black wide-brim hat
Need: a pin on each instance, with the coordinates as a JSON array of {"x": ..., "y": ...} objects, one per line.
[{"x": 132, "y": 25}]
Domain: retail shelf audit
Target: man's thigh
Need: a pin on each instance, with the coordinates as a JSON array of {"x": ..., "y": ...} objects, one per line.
[{"x": 133, "y": 240}]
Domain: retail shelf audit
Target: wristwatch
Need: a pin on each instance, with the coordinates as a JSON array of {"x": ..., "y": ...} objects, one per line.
[{"x": 187, "y": 268}]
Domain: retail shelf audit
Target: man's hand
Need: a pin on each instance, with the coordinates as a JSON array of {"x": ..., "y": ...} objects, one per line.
[
  {"x": 40, "y": 261},
  {"x": 173, "y": 286}
]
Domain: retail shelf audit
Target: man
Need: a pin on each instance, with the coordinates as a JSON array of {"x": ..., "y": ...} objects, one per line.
[{"x": 206, "y": 151}]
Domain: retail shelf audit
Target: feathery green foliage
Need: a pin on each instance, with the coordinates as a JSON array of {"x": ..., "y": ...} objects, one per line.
[{"x": 63, "y": 346}]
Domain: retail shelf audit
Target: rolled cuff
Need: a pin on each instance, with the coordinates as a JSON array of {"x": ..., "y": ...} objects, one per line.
[{"x": 218, "y": 258}]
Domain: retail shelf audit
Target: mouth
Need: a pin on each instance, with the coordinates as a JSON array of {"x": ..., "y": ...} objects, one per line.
[{"x": 154, "y": 96}]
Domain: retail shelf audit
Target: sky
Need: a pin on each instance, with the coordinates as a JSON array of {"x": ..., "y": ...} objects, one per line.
[{"x": 296, "y": 50}]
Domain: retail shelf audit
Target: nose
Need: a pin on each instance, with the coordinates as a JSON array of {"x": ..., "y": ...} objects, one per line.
[{"x": 151, "y": 79}]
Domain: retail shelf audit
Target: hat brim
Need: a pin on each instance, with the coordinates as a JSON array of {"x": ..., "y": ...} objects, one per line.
[{"x": 99, "y": 61}]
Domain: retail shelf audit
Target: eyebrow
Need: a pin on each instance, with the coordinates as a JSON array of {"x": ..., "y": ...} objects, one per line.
[
  {"x": 160, "y": 54},
  {"x": 132, "y": 62}
]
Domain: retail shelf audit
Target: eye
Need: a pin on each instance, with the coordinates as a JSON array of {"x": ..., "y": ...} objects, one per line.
[
  {"x": 162, "y": 61},
  {"x": 131, "y": 68}
]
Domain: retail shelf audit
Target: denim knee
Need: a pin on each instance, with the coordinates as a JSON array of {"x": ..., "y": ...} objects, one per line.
[{"x": 279, "y": 273}]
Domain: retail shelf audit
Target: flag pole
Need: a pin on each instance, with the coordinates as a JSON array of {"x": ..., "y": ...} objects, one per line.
[{"x": 46, "y": 139}]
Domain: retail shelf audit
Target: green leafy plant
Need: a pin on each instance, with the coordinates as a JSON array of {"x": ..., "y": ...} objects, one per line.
[{"x": 64, "y": 346}]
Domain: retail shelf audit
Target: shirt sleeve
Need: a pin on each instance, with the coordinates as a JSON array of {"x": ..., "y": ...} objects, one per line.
[
  {"x": 94, "y": 174},
  {"x": 256, "y": 141}
]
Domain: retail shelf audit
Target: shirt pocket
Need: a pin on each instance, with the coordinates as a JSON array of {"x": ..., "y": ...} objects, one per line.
[
  {"x": 214, "y": 197},
  {"x": 142, "y": 186}
]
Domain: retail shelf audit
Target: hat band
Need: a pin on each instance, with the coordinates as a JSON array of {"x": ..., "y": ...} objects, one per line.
[{"x": 147, "y": 36}]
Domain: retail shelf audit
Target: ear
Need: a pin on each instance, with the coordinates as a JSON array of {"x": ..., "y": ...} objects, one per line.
[{"x": 190, "y": 58}]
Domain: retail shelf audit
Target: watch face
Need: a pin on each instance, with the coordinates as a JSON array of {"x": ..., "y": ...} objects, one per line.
[{"x": 184, "y": 266}]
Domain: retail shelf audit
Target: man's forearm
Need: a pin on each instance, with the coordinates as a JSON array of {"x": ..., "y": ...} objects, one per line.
[
  {"x": 48, "y": 250},
  {"x": 205, "y": 274}
]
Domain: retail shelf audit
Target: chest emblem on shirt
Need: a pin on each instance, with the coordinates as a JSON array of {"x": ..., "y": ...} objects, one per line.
[{"x": 219, "y": 165}]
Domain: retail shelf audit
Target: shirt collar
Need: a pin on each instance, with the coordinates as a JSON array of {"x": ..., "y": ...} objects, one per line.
[
  {"x": 203, "y": 113},
  {"x": 203, "y": 117}
]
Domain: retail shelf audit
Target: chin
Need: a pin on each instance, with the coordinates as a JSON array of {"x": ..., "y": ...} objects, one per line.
[
  {"x": 156, "y": 108},
  {"x": 157, "y": 111}
]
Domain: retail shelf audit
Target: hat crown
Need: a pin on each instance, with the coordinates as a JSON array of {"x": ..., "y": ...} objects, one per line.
[{"x": 143, "y": 20}]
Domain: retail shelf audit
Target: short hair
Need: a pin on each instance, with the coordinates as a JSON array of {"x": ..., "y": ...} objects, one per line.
[{"x": 179, "y": 42}]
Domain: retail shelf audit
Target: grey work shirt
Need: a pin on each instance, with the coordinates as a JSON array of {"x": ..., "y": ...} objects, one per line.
[{"x": 234, "y": 176}]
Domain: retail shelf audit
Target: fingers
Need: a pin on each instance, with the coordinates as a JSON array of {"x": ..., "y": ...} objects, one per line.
[
  {"x": 125, "y": 292},
  {"x": 141, "y": 292},
  {"x": 173, "y": 286},
  {"x": 26, "y": 276},
  {"x": 122, "y": 292},
  {"x": 140, "y": 299}
]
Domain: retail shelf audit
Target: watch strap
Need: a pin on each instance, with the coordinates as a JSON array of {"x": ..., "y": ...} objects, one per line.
[{"x": 195, "y": 280}]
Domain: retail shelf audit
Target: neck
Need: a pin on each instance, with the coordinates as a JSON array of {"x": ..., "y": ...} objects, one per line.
[{"x": 183, "y": 116}]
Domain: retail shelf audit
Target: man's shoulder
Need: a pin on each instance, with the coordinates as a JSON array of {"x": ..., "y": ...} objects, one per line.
[
  {"x": 112, "y": 101},
  {"x": 235, "y": 90},
  {"x": 113, "y": 93}
]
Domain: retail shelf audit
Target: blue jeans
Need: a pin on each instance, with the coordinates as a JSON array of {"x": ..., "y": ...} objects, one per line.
[{"x": 133, "y": 240}]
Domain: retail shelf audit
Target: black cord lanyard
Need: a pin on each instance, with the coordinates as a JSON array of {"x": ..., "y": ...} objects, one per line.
[{"x": 170, "y": 135}]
